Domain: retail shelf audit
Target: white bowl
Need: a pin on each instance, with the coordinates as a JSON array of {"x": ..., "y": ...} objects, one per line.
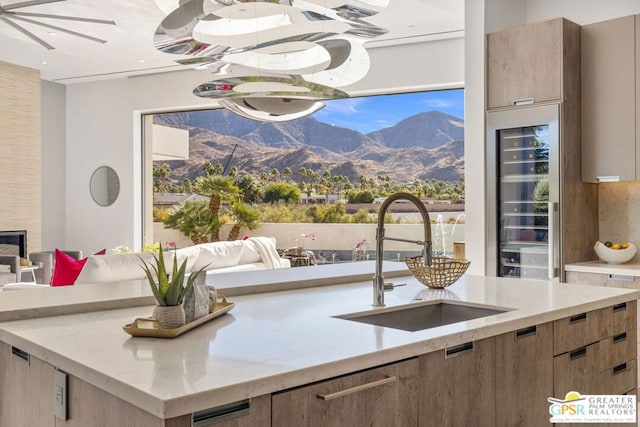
[{"x": 614, "y": 256}]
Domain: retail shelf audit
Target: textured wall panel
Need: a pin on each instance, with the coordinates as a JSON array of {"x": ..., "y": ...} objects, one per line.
[{"x": 20, "y": 152}]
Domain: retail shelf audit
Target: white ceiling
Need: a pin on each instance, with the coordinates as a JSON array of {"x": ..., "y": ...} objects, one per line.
[{"x": 129, "y": 49}]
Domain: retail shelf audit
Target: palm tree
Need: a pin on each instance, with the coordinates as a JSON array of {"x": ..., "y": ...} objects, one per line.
[
  {"x": 193, "y": 219},
  {"x": 244, "y": 216},
  {"x": 218, "y": 189},
  {"x": 287, "y": 173},
  {"x": 162, "y": 173}
]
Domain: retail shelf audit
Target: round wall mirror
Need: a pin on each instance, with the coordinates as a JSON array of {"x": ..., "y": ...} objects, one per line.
[{"x": 105, "y": 186}]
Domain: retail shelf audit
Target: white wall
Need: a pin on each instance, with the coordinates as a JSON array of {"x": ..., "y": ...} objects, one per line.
[
  {"x": 53, "y": 165},
  {"x": 103, "y": 128}
]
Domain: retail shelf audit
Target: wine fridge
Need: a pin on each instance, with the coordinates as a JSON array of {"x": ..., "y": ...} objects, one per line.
[{"x": 523, "y": 192}]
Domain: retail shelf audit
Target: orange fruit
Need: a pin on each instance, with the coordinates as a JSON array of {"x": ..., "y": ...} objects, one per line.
[
  {"x": 616, "y": 246},
  {"x": 625, "y": 245}
]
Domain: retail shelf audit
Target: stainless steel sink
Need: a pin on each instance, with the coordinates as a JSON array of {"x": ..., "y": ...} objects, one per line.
[{"x": 423, "y": 316}]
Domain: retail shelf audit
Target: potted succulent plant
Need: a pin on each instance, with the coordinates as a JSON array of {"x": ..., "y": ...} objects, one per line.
[{"x": 168, "y": 289}]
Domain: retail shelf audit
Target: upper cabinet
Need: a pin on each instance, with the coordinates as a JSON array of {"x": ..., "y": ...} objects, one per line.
[
  {"x": 609, "y": 102},
  {"x": 526, "y": 64}
]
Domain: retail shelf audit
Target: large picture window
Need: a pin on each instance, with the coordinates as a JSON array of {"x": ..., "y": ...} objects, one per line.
[{"x": 314, "y": 183}]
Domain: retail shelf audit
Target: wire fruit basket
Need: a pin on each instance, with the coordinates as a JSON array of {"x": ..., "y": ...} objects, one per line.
[{"x": 442, "y": 272}]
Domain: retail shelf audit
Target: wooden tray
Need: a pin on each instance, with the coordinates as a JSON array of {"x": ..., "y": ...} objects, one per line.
[{"x": 150, "y": 327}]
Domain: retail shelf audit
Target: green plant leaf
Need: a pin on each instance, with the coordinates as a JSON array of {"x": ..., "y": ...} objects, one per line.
[{"x": 154, "y": 287}]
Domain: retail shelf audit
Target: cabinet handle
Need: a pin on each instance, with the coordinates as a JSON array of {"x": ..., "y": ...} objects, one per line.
[
  {"x": 581, "y": 352},
  {"x": 621, "y": 278},
  {"x": 356, "y": 389},
  {"x": 458, "y": 350},
  {"x": 609, "y": 178},
  {"x": 218, "y": 414},
  {"x": 620, "y": 307},
  {"x": 620, "y": 368},
  {"x": 523, "y": 101},
  {"x": 525, "y": 332},
  {"x": 619, "y": 337},
  {"x": 21, "y": 354},
  {"x": 578, "y": 318}
]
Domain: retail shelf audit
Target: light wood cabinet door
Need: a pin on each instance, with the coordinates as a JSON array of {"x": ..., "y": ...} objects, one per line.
[
  {"x": 457, "y": 386},
  {"x": 379, "y": 397},
  {"x": 609, "y": 100},
  {"x": 577, "y": 370},
  {"x": 525, "y": 62},
  {"x": 524, "y": 376},
  {"x": 578, "y": 331},
  {"x": 26, "y": 389}
]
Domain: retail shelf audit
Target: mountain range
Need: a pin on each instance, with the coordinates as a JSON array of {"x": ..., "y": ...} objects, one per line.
[{"x": 427, "y": 145}]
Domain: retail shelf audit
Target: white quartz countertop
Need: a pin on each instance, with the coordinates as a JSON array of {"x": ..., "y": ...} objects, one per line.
[
  {"x": 601, "y": 267},
  {"x": 277, "y": 340}
]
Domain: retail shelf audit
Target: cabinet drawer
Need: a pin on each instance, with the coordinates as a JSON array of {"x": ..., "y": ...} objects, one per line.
[
  {"x": 620, "y": 318},
  {"x": 619, "y": 379},
  {"x": 577, "y": 331},
  {"x": 577, "y": 370},
  {"x": 617, "y": 349},
  {"x": 384, "y": 397}
]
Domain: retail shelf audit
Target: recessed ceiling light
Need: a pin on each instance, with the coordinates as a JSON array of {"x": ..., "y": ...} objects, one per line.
[
  {"x": 141, "y": 60},
  {"x": 52, "y": 33},
  {"x": 44, "y": 62}
]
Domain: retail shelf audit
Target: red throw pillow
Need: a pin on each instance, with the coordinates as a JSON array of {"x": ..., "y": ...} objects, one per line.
[{"x": 66, "y": 269}]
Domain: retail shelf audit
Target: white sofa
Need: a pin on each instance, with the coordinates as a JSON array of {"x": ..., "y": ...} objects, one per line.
[{"x": 256, "y": 253}]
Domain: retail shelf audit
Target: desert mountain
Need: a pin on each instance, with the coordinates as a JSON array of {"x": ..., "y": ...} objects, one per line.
[{"x": 423, "y": 146}]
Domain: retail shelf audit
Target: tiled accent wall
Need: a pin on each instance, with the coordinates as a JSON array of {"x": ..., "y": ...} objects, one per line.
[
  {"x": 619, "y": 213},
  {"x": 20, "y": 152}
]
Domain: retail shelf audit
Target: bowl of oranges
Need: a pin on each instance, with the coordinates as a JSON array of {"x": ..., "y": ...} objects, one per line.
[{"x": 615, "y": 253}]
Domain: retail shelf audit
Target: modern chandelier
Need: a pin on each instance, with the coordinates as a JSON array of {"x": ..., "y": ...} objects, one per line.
[
  {"x": 11, "y": 15},
  {"x": 275, "y": 60}
]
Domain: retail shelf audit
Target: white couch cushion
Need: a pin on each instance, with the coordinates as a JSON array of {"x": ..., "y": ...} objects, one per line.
[
  {"x": 218, "y": 255},
  {"x": 250, "y": 253},
  {"x": 114, "y": 268}
]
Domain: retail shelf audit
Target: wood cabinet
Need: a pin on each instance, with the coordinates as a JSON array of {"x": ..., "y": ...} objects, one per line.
[
  {"x": 524, "y": 376},
  {"x": 598, "y": 279},
  {"x": 26, "y": 389},
  {"x": 384, "y": 397},
  {"x": 541, "y": 62},
  {"x": 596, "y": 352},
  {"x": 530, "y": 62},
  {"x": 610, "y": 78},
  {"x": 457, "y": 385},
  {"x": 502, "y": 381}
]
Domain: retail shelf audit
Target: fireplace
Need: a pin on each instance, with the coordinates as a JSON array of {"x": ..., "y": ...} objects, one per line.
[{"x": 13, "y": 243}]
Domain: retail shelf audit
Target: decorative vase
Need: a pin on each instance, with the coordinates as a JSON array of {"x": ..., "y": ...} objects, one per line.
[
  {"x": 196, "y": 301},
  {"x": 169, "y": 316}
]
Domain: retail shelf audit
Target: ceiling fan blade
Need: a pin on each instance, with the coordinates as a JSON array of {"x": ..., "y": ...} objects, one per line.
[
  {"x": 63, "y": 30},
  {"x": 28, "y": 3},
  {"x": 69, "y": 18},
  {"x": 27, "y": 33}
]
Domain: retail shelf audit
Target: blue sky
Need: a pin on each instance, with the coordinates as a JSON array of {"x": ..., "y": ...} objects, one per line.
[{"x": 370, "y": 113}]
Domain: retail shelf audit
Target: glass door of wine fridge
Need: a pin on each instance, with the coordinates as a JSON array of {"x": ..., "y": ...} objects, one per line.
[{"x": 524, "y": 192}]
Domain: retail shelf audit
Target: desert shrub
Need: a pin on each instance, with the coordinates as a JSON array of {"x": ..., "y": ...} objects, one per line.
[
  {"x": 283, "y": 213},
  {"x": 364, "y": 196},
  {"x": 334, "y": 213},
  {"x": 160, "y": 215},
  {"x": 362, "y": 216},
  {"x": 281, "y": 191}
]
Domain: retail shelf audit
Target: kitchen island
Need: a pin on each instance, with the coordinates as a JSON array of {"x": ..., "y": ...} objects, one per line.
[{"x": 274, "y": 342}]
